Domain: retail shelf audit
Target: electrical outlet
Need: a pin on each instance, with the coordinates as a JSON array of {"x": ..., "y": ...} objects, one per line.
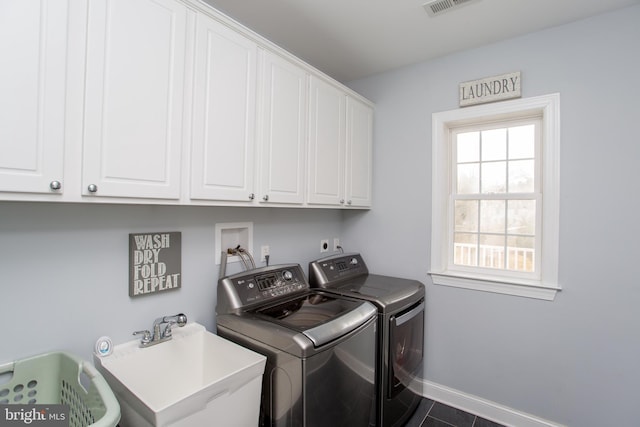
[
  {"x": 324, "y": 245},
  {"x": 336, "y": 243},
  {"x": 264, "y": 253}
]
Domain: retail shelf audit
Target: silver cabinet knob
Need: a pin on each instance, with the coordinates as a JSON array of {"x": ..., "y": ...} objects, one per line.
[
  {"x": 342, "y": 201},
  {"x": 349, "y": 202},
  {"x": 55, "y": 185},
  {"x": 252, "y": 196},
  {"x": 92, "y": 188},
  {"x": 266, "y": 198}
]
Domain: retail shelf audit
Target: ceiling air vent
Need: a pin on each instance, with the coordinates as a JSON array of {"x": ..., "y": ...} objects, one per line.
[{"x": 436, "y": 7}]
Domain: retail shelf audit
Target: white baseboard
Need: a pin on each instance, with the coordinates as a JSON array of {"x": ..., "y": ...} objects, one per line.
[{"x": 484, "y": 408}]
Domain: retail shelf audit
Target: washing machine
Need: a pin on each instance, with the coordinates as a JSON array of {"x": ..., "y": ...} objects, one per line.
[
  {"x": 400, "y": 305},
  {"x": 320, "y": 347}
]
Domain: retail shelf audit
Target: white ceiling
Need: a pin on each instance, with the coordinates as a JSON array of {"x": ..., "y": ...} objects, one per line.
[{"x": 350, "y": 39}]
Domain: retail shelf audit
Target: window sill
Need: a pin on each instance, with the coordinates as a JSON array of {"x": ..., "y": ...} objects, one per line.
[{"x": 522, "y": 289}]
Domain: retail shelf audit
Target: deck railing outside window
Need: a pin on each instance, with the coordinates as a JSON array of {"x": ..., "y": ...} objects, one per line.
[{"x": 517, "y": 259}]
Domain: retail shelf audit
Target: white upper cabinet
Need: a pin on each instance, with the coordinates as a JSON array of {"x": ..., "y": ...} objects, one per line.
[
  {"x": 224, "y": 113},
  {"x": 170, "y": 102},
  {"x": 327, "y": 143},
  {"x": 359, "y": 154},
  {"x": 134, "y": 99},
  {"x": 33, "y": 43},
  {"x": 282, "y": 130},
  {"x": 340, "y": 147}
]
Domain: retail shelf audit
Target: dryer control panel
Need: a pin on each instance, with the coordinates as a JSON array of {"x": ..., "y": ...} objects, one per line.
[
  {"x": 245, "y": 289},
  {"x": 334, "y": 269}
]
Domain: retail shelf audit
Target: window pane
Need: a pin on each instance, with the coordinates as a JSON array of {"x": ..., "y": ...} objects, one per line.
[
  {"x": 469, "y": 178},
  {"x": 521, "y": 253},
  {"x": 494, "y": 144},
  {"x": 492, "y": 216},
  {"x": 521, "y": 176},
  {"x": 522, "y": 142},
  {"x": 465, "y": 247},
  {"x": 521, "y": 217},
  {"x": 491, "y": 251},
  {"x": 466, "y": 214},
  {"x": 494, "y": 177},
  {"x": 468, "y": 148}
]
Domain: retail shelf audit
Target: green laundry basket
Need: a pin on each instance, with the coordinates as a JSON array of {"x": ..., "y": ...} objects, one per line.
[{"x": 61, "y": 378}]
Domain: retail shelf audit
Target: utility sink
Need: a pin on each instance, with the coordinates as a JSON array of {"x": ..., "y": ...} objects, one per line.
[{"x": 192, "y": 379}]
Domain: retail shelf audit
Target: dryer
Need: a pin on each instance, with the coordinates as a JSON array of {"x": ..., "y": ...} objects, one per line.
[{"x": 400, "y": 305}]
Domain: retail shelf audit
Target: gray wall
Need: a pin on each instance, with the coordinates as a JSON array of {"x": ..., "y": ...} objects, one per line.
[
  {"x": 574, "y": 360},
  {"x": 64, "y": 267}
]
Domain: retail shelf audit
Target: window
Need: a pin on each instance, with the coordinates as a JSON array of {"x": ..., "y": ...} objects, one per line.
[{"x": 495, "y": 197}]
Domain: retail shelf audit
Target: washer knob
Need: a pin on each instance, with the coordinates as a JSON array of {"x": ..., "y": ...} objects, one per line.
[
  {"x": 354, "y": 261},
  {"x": 287, "y": 275}
]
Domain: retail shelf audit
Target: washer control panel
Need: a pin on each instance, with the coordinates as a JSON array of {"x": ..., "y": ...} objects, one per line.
[
  {"x": 327, "y": 271},
  {"x": 262, "y": 284}
]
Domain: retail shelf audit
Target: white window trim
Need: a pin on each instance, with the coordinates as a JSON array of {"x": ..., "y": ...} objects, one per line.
[{"x": 545, "y": 288}]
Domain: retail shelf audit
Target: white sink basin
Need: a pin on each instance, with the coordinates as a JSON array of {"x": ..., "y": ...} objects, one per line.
[{"x": 166, "y": 383}]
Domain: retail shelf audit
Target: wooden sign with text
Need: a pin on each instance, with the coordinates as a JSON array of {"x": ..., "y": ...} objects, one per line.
[
  {"x": 155, "y": 263},
  {"x": 490, "y": 89}
]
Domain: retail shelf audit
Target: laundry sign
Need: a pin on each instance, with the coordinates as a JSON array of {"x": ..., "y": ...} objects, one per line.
[
  {"x": 491, "y": 89},
  {"x": 155, "y": 263}
]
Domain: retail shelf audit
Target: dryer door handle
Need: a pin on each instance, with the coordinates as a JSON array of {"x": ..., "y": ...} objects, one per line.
[{"x": 404, "y": 318}]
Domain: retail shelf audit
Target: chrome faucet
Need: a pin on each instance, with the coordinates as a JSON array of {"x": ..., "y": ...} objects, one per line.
[{"x": 161, "y": 330}]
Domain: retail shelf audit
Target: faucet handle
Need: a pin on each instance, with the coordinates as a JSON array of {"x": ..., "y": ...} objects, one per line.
[
  {"x": 167, "y": 330},
  {"x": 146, "y": 336}
]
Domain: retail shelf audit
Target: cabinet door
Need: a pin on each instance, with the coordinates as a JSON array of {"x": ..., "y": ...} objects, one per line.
[
  {"x": 359, "y": 153},
  {"x": 134, "y": 98},
  {"x": 282, "y": 130},
  {"x": 222, "y": 157},
  {"x": 33, "y": 39},
  {"x": 326, "y": 143}
]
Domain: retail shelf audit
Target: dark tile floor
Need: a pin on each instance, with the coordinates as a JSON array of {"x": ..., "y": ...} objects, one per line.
[{"x": 436, "y": 414}]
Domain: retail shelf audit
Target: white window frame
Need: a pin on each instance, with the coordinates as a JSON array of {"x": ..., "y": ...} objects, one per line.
[{"x": 443, "y": 272}]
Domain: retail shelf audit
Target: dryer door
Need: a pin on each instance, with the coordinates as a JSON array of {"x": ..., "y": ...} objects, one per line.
[{"x": 406, "y": 344}]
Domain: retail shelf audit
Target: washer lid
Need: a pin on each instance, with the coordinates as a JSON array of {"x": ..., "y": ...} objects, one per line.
[
  {"x": 338, "y": 327},
  {"x": 319, "y": 316}
]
